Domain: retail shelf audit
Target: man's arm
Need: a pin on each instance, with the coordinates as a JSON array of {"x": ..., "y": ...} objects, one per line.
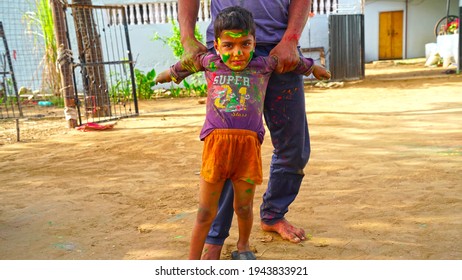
[
  {"x": 187, "y": 16},
  {"x": 286, "y": 50}
]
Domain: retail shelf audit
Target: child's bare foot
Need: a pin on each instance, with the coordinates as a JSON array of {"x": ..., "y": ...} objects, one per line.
[
  {"x": 212, "y": 252},
  {"x": 286, "y": 231}
]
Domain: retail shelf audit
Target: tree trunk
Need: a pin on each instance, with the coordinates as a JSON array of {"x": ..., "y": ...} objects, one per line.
[
  {"x": 64, "y": 59},
  {"x": 97, "y": 101}
]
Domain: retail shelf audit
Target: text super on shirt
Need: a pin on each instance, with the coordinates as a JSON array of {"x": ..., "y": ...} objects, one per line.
[{"x": 235, "y": 98}]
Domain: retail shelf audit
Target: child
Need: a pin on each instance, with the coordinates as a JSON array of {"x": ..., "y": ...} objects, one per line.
[{"x": 233, "y": 130}]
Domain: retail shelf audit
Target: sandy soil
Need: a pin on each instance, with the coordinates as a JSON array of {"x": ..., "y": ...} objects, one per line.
[{"x": 384, "y": 180}]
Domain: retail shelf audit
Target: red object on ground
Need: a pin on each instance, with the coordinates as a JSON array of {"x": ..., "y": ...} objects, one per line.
[{"x": 94, "y": 126}]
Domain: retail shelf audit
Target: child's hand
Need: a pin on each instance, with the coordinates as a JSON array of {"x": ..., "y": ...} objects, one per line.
[
  {"x": 321, "y": 73},
  {"x": 163, "y": 77}
]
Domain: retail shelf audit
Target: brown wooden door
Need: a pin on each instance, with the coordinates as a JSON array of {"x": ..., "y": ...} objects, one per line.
[{"x": 391, "y": 35}]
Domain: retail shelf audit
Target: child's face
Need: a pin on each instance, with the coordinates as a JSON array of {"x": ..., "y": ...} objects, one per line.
[{"x": 236, "y": 48}]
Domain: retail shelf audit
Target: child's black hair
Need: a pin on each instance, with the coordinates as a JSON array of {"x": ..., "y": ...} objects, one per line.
[{"x": 234, "y": 17}]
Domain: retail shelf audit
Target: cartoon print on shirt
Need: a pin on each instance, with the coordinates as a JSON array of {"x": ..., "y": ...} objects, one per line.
[
  {"x": 230, "y": 100},
  {"x": 232, "y": 95}
]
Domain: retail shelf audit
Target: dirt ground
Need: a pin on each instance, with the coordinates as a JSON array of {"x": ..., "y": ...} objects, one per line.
[{"x": 384, "y": 180}]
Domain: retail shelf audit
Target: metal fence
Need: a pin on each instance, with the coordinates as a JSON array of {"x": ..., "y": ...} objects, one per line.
[
  {"x": 98, "y": 52},
  {"x": 21, "y": 62},
  {"x": 103, "y": 64}
]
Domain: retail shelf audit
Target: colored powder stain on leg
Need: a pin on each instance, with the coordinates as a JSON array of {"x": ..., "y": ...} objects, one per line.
[{"x": 248, "y": 180}]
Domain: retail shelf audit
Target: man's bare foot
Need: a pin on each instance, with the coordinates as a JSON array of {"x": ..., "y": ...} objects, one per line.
[
  {"x": 285, "y": 230},
  {"x": 211, "y": 252}
]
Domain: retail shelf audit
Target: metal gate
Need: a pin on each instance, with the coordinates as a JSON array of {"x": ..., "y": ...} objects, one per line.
[
  {"x": 346, "y": 42},
  {"x": 103, "y": 71},
  {"x": 9, "y": 97}
]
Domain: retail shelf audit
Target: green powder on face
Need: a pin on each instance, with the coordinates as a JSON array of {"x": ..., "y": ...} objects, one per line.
[
  {"x": 225, "y": 57},
  {"x": 237, "y": 34},
  {"x": 251, "y": 55}
]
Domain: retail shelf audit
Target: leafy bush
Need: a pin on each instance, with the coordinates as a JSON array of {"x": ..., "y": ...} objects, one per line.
[
  {"x": 123, "y": 87},
  {"x": 144, "y": 83}
]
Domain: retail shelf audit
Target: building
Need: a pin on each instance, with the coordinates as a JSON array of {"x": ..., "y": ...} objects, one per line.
[{"x": 400, "y": 29}]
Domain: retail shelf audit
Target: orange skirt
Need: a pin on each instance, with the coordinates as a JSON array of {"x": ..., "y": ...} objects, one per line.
[{"x": 232, "y": 154}]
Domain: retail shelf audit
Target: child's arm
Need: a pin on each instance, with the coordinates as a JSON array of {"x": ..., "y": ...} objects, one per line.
[
  {"x": 163, "y": 77},
  {"x": 307, "y": 67},
  {"x": 176, "y": 73},
  {"x": 321, "y": 73}
]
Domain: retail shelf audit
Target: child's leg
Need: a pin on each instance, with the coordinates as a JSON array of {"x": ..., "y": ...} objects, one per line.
[
  {"x": 243, "y": 206},
  {"x": 209, "y": 195}
]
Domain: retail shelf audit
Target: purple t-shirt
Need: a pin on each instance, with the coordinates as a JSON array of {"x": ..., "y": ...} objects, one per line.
[
  {"x": 271, "y": 18},
  {"x": 235, "y": 99}
]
